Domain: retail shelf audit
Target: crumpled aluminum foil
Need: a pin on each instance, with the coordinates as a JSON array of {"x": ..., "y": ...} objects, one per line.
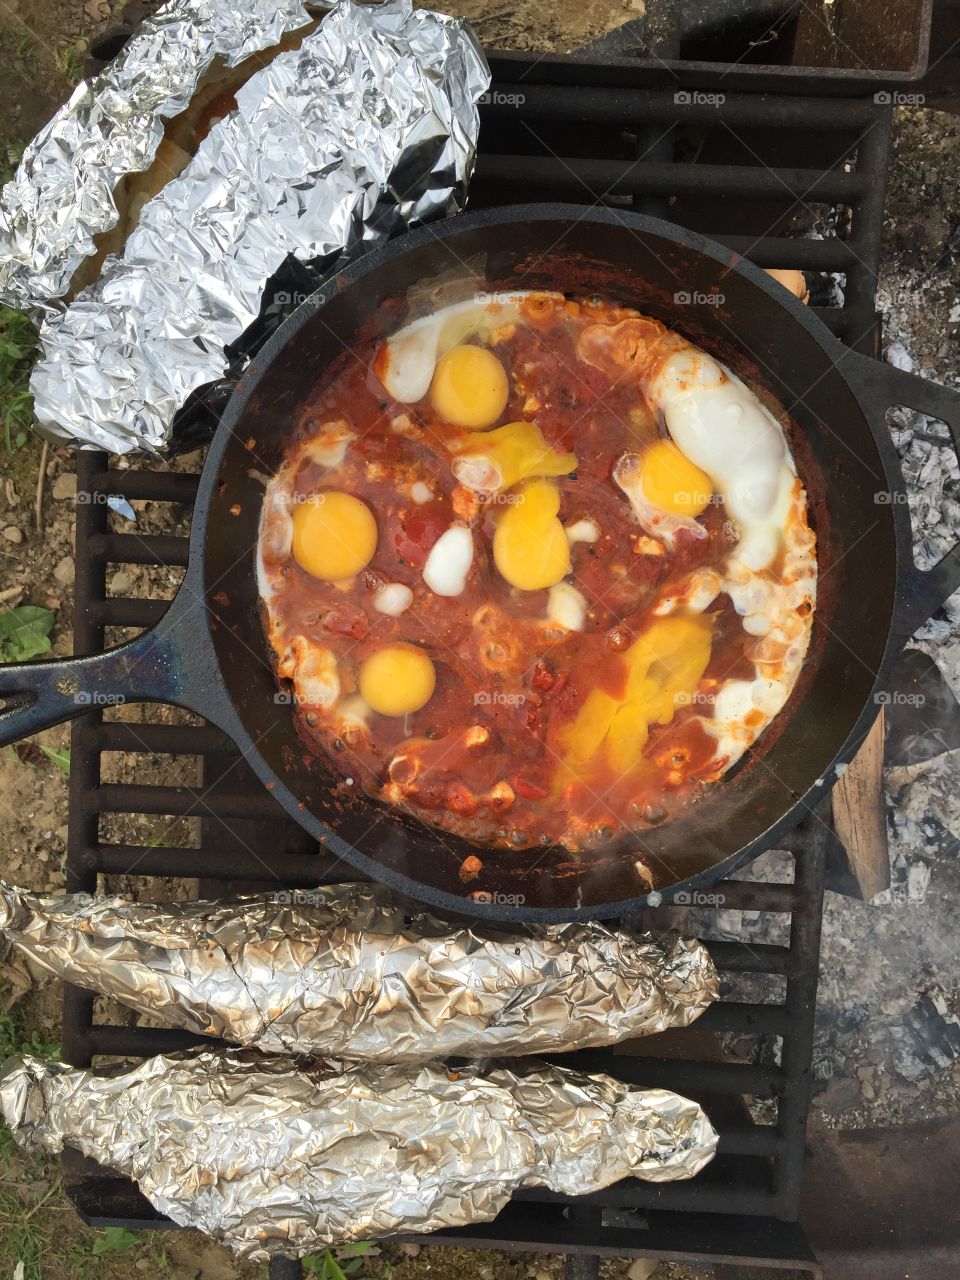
[
  {"x": 369, "y": 127},
  {"x": 343, "y": 972},
  {"x": 62, "y": 193},
  {"x": 267, "y": 1155}
]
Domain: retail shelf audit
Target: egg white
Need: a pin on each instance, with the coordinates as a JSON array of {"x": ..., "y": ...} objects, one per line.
[{"x": 411, "y": 354}]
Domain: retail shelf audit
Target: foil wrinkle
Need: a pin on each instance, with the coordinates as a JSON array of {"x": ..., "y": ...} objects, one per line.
[
  {"x": 345, "y": 972},
  {"x": 272, "y": 1156}
]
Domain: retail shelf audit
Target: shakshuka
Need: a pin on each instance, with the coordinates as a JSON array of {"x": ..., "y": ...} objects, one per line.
[{"x": 536, "y": 570}]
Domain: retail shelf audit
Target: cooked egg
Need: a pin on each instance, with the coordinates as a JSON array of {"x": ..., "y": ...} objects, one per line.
[
  {"x": 329, "y": 447},
  {"x": 407, "y": 361},
  {"x": 628, "y": 475},
  {"x": 470, "y": 387},
  {"x": 664, "y": 666},
  {"x": 397, "y": 679},
  {"x": 586, "y": 530},
  {"x": 393, "y": 599},
  {"x": 720, "y": 426},
  {"x": 334, "y": 535},
  {"x": 672, "y": 483},
  {"x": 313, "y": 669},
  {"x": 566, "y": 607},
  {"x": 530, "y": 547},
  {"x": 449, "y": 561},
  {"x": 496, "y": 460}
]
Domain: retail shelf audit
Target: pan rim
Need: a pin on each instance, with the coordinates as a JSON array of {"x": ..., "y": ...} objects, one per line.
[{"x": 803, "y": 804}]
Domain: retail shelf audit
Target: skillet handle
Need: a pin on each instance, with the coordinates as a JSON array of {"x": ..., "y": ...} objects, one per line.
[
  {"x": 173, "y": 662},
  {"x": 920, "y": 593}
]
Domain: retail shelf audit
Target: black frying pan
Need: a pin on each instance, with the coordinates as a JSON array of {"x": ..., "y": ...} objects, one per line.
[{"x": 209, "y": 653}]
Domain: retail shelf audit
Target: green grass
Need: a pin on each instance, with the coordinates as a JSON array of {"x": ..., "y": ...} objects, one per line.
[
  {"x": 18, "y": 345},
  {"x": 345, "y": 1263},
  {"x": 70, "y": 62},
  {"x": 24, "y": 633},
  {"x": 25, "y": 60}
]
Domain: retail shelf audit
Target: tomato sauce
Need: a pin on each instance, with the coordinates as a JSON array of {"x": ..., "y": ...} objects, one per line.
[{"x": 485, "y": 756}]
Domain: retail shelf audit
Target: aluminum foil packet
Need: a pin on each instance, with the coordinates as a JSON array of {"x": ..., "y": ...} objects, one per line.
[
  {"x": 344, "y": 972},
  {"x": 369, "y": 127},
  {"x": 268, "y": 1155},
  {"x": 62, "y": 194}
]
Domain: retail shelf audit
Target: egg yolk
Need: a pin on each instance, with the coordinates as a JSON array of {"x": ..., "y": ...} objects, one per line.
[
  {"x": 334, "y": 535},
  {"x": 499, "y": 459},
  {"x": 470, "y": 387},
  {"x": 397, "y": 679},
  {"x": 672, "y": 483},
  {"x": 664, "y": 667},
  {"x": 530, "y": 545}
]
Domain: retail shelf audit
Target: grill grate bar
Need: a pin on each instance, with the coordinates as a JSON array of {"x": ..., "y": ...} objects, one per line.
[
  {"x": 131, "y": 548},
  {"x": 162, "y": 739},
  {"x": 565, "y": 178},
  {"x": 150, "y": 486},
  {"x": 576, "y": 104},
  {"x": 290, "y": 870},
  {"x": 122, "y": 612}
]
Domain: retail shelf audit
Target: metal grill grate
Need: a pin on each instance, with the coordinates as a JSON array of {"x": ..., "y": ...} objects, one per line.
[{"x": 705, "y": 165}]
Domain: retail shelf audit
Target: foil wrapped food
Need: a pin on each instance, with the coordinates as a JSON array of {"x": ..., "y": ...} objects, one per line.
[
  {"x": 344, "y": 972},
  {"x": 370, "y": 126},
  {"x": 62, "y": 194},
  {"x": 267, "y": 1155}
]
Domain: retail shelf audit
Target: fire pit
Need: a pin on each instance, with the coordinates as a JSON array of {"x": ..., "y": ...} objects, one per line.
[{"x": 753, "y": 172}]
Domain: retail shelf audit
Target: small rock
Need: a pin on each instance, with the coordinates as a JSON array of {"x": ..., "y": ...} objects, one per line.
[
  {"x": 542, "y": 1275},
  {"x": 10, "y": 493},
  {"x": 43, "y": 855},
  {"x": 839, "y": 1096},
  {"x": 120, "y": 583},
  {"x": 65, "y": 571},
  {"x": 13, "y": 534},
  {"x": 62, "y": 833},
  {"x": 642, "y": 1269},
  {"x": 65, "y": 486},
  {"x": 411, "y": 1250},
  {"x": 142, "y": 1264}
]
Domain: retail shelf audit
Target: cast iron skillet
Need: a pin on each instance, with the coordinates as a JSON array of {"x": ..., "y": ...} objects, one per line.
[{"x": 208, "y": 653}]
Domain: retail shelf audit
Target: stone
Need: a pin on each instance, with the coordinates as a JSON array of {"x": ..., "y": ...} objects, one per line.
[
  {"x": 65, "y": 486},
  {"x": 642, "y": 1268},
  {"x": 120, "y": 583},
  {"x": 65, "y": 572},
  {"x": 13, "y": 534}
]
